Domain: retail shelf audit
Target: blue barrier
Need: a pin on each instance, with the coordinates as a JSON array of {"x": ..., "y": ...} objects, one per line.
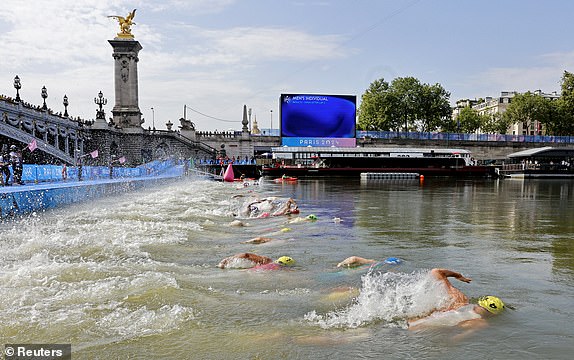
[
  {"x": 32, "y": 173},
  {"x": 19, "y": 200},
  {"x": 389, "y": 135}
]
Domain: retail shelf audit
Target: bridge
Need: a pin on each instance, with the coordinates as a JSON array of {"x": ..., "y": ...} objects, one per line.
[
  {"x": 64, "y": 138},
  {"x": 55, "y": 135}
]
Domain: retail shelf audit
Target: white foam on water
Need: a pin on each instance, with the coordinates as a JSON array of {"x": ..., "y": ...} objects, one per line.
[
  {"x": 85, "y": 270},
  {"x": 390, "y": 298},
  {"x": 125, "y": 323}
]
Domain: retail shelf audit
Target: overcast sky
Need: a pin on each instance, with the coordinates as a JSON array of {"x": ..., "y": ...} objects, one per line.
[{"x": 214, "y": 56}]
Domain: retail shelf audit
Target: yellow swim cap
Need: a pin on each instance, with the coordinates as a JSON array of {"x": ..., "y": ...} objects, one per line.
[
  {"x": 285, "y": 261},
  {"x": 491, "y": 303},
  {"x": 311, "y": 217}
]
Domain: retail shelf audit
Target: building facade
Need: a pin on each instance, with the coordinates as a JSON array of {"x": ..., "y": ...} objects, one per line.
[{"x": 491, "y": 106}]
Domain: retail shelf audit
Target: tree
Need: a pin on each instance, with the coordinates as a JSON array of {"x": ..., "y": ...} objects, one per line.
[
  {"x": 373, "y": 114},
  {"x": 562, "y": 119},
  {"x": 528, "y": 108},
  {"x": 494, "y": 124},
  {"x": 468, "y": 120},
  {"x": 435, "y": 107},
  {"x": 404, "y": 104},
  {"x": 407, "y": 92}
]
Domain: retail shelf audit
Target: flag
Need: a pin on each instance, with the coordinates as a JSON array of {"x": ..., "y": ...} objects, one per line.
[
  {"x": 122, "y": 159},
  {"x": 33, "y": 145},
  {"x": 94, "y": 154}
]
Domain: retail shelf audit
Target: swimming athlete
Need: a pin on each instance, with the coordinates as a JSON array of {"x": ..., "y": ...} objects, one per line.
[
  {"x": 459, "y": 311},
  {"x": 258, "y": 240},
  {"x": 268, "y": 206},
  {"x": 278, "y": 264},
  {"x": 355, "y": 261},
  {"x": 257, "y": 262},
  {"x": 289, "y": 207},
  {"x": 243, "y": 261},
  {"x": 308, "y": 218}
]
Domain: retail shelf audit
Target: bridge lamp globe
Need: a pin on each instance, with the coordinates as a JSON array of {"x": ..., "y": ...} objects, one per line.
[
  {"x": 66, "y": 103},
  {"x": 17, "y": 86},
  {"x": 44, "y": 96}
]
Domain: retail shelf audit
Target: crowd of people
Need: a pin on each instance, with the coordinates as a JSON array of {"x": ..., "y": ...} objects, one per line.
[
  {"x": 457, "y": 310},
  {"x": 12, "y": 158}
]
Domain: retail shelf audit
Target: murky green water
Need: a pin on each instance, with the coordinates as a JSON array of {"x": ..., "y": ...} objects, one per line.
[{"x": 134, "y": 276}]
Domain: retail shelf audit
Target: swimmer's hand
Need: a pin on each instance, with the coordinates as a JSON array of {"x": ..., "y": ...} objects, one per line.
[{"x": 443, "y": 274}]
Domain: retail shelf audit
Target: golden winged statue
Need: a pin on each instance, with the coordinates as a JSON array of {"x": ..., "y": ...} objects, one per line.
[{"x": 125, "y": 24}]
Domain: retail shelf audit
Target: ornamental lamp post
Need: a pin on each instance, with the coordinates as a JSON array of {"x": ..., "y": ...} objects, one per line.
[
  {"x": 66, "y": 103},
  {"x": 44, "y": 96},
  {"x": 100, "y": 101},
  {"x": 17, "y": 86}
]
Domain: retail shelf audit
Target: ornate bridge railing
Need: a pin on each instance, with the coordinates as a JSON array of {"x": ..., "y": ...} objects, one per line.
[{"x": 55, "y": 135}]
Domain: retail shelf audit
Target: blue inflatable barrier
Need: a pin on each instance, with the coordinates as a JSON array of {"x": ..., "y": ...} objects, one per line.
[{"x": 44, "y": 188}]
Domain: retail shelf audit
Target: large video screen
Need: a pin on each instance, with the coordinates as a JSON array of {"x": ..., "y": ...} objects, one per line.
[{"x": 318, "y": 120}]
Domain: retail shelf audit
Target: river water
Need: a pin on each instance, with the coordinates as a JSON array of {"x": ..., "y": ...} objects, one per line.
[{"x": 134, "y": 276}]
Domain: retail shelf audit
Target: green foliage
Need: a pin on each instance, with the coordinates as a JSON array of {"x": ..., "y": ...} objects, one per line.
[
  {"x": 561, "y": 121},
  {"x": 468, "y": 120},
  {"x": 494, "y": 124},
  {"x": 528, "y": 108},
  {"x": 405, "y": 104},
  {"x": 372, "y": 111}
]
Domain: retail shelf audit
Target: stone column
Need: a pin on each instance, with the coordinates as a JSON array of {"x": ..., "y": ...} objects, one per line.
[{"x": 126, "y": 110}]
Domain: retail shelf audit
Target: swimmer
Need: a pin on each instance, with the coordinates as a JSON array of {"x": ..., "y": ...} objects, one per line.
[
  {"x": 243, "y": 261},
  {"x": 307, "y": 218},
  {"x": 459, "y": 311},
  {"x": 257, "y": 240},
  {"x": 282, "y": 262},
  {"x": 268, "y": 206},
  {"x": 289, "y": 207},
  {"x": 237, "y": 223},
  {"x": 356, "y": 261}
]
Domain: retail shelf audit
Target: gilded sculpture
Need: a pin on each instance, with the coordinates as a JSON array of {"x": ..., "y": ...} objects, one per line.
[{"x": 125, "y": 24}]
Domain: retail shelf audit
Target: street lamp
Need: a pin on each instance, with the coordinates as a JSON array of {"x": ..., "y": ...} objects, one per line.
[
  {"x": 17, "y": 86},
  {"x": 152, "y": 119},
  {"x": 100, "y": 101},
  {"x": 271, "y": 121},
  {"x": 44, "y": 96},
  {"x": 66, "y": 103}
]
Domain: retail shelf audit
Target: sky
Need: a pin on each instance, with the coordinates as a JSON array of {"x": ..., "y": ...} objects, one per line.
[{"x": 208, "y": 58}]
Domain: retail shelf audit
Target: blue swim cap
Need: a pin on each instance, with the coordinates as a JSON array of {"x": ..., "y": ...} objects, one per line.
[{"x": 393, "y": 261}]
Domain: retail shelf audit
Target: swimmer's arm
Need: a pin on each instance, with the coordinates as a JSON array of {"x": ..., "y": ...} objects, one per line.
[
  {"x": 353, "y": 261},
  {"x": 443, "y": 274},
  {"x": 470, "y": 327},
  {"x": 257, "y": 240}
]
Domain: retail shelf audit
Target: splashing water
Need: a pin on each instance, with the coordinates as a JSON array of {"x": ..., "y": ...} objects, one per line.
[{"x": 390, "y": 297}]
